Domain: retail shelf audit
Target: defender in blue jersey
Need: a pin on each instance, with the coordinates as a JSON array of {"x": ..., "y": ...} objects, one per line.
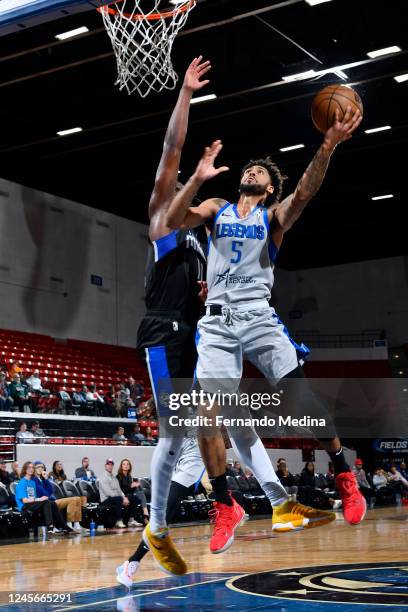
[{"x": 245, "y": 238}]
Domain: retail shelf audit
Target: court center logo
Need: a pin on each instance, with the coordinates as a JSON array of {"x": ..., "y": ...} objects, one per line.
[
  {"x": 363, "y": 583},
  {"x": 233, "y": 279}
]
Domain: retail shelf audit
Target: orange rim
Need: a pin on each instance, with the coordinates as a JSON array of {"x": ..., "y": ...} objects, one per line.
[{"x": 140, "y": 16}]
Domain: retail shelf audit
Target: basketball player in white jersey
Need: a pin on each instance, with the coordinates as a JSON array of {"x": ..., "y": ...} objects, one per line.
[{"x": 239, "y": 323}]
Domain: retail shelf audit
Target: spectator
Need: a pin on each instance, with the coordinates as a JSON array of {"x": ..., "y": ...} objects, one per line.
[
  {"x": 396, "y": 477},
  {"x": 57, "y": 474},
  {"x": 111, "y": 493},
  {"x": 79, "y": 401},
  {"x": 85, "y": 472},
  {"x": 249, "y": 479},
  {"x": 71, "y": 504},
  {"x": 6, "y": 401},
  {"x": 109, "y": 398},
  {"x": 65, "y": 402},
  {"x": 380, "y": 479},
  {"x": 15, "y": 472},
  {"x": 38, "y": 433},
  {"x": 132, "y": 489},
  {"x": 27, "y": 499},
  {"x": 136, "y": 391},
  {"x": 362, "y": 481},
  {"x": 403, "y": 470},
  {"x": 14, "y": 368},
  {"x": 238, "y": 469},
  {"x": 122, "y": 400},
  {"x": 5, "y": 477},
  {"x": 23, "y": 436},
  {"x": 136, "y": 436},
  {"x": 309, "y": 491},
  {"x": 99, "y": 406},
  {"x": 286, "y": 478},
  {"x": 330, "y": 477},
  {"x": 34, "y": 382},
  {"x": 149, "y": 436},
  {"x": 19, "y": 393},
  {"x": 119, "y": 435},
  {"x": 229, "y": 470}
]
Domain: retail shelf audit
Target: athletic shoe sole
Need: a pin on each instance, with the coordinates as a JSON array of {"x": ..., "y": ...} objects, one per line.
[{"x": 307, "y": 524}]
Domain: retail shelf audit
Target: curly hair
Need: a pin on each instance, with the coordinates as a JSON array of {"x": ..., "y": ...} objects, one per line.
[{"x": 277, "y": 178}]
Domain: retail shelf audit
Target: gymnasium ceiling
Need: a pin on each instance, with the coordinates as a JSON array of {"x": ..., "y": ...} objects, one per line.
[{"x": 46, "y": 86}]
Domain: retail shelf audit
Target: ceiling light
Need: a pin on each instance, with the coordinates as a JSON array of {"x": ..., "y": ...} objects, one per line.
[
  {"x": 400, "y": 372},
  {"x": 70, "y": 131},
  {"x": 314, "y": 2},
  {"x": 385, "y": 51},
  {"x": 299, "y": 76},
  {"x": 379, "y": 129},
  {"x": 292, "y": 148},
  {"x": 383, "y": 197},
  {"x": 203, "y": 98},
  {"x": 72, "y": 33},
  {"x": 405, "y": 390},
  {"x": 401, "y": 78},
  {"x": 396, "y": 356}
]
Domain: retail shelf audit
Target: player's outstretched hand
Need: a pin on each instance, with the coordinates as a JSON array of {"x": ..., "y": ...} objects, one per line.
[
  {"x": 196, "y": 70},
  {"x": 344, "y": 129},
  {"x": 206, "y": 169},
  {"x": 203, "y": 290}
]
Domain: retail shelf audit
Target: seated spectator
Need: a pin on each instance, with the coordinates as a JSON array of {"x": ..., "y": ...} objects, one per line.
[
  {"x": 99, "y": 406},
  {"x": 34, "y": 382},
  {"x": 38, "y": 433},
  {"x": 65, "y": 402},
  {"x": 136, "y": 391},
  {"x": 250, "y": 481},
  {"x": 6, "y": 401},
  {"x": 149, "y": 436},
  {"x": 229, "y": 469},
  {"x": 111, "y": 494},
  {"x": 238, "y": 469},
  {"x": 14, "y": 368},
  {"x": 57, "y": 474},
  {"x": 72, "y": 505},
  {"x": 308, "y": 491},
  {"x": 109, "y": 398},
  {"x": 362, "y": 481},
  {"x": 136, "y": 436},
  {"x": 19, "y": 393},
  {"x": 330, "y": 477},
  {"x": 396, "y": 477},
  {"x": 119, "y": 435},
  {"x": 132, "y": 489},
  {"x": 79, "y": 401},
  {"x": 15, "y": 472},
  {"x": 85, "y": 472},
  {"x": 28, "y": 500},
  {"x": 403, "y": 470},
  {"x": 23, "y": 436},
  {"x": 380, "y": 479},
  {"x": 5, "y": 476},
  {"x": 286, "y": 478}
]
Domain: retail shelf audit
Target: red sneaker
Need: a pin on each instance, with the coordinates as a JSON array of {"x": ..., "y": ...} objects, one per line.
[
  {"x": 226, "y": 520},
  {"x": 354, "y": 504}
]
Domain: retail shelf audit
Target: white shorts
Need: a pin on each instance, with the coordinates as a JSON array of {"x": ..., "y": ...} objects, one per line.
[
  {"x": 256, "y": 335},
  {"x": 189, "y": 468}
]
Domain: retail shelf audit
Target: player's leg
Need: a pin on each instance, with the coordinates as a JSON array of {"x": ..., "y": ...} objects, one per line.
[
  {"x": 271, "y": 351},
  {"x": 219, "y": 369}
]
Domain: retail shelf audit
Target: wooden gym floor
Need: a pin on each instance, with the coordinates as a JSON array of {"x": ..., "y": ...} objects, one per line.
[{"x": 328, "y": 568}]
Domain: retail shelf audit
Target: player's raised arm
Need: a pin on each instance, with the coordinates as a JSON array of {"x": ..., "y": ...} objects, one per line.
[
  {"x": 180, "y": 212},
  {"x": 290, "y": 209},
  {"x": 166, "y": 176}
]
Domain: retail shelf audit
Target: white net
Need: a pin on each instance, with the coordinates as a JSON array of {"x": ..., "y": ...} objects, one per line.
[{"x": 142, "y": 42}]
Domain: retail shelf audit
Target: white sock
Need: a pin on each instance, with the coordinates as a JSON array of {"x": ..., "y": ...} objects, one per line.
[
  {"x": 163, "y": 461},
  {"x": 252, "y": 453},
  {"x": 76, "y": 525},
  {"x": 132, "y": 567}
]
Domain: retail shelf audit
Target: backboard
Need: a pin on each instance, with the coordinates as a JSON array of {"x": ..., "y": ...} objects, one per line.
[{"x": 17, "y": 15}]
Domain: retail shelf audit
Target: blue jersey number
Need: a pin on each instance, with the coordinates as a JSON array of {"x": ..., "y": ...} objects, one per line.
[{"x": 236, "y": 245}]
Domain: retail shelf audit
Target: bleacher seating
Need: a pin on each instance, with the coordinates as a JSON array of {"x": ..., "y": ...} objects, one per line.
[{"x": 68, "y": 364}]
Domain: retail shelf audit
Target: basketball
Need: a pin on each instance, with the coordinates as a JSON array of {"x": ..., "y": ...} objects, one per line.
[{"x": 331, "y": 98}]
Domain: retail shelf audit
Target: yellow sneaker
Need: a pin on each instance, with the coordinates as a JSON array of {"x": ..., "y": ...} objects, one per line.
[
  {"x": 164, "y": 551},
  {"x": 291, "y": 516}
]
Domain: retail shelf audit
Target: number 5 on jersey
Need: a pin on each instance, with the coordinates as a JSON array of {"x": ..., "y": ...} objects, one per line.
[{"x": 236, "y": 246}]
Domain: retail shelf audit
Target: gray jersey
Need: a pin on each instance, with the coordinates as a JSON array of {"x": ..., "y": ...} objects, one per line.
[{"x": 241, "y": 256}]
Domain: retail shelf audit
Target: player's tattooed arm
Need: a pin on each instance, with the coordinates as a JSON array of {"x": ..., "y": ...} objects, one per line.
[
  {"x": 180, "y": 212},
  {"x": 291, "y": 207}
]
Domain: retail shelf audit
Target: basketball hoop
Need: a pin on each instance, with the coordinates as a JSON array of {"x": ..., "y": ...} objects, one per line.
[{"x": 142, "y": 42}]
